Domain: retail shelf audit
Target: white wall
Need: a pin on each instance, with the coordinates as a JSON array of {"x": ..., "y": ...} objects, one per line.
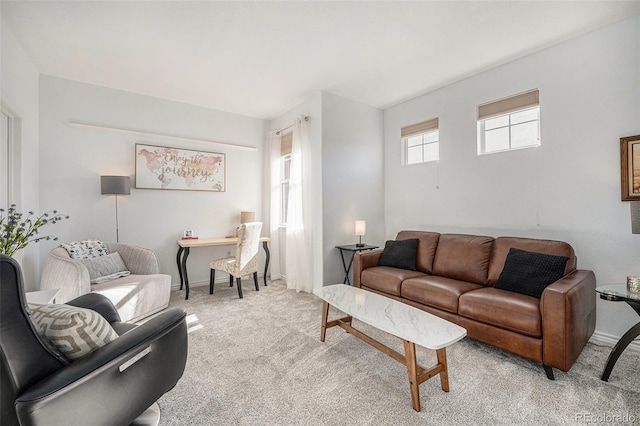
[
  {"x": 73, "y": 159},
  {"x": 567, "y": 189},
  {"x": 353, "y": 181},
  {"x": 19, "y": 98}
]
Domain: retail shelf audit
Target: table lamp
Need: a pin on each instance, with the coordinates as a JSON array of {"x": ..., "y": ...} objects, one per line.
[
  {"x": 361, "y": 227},
  {"x": 246, "y": 217}
]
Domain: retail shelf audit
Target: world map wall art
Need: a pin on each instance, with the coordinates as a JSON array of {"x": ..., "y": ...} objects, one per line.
[{"x": 161, "y": 167}]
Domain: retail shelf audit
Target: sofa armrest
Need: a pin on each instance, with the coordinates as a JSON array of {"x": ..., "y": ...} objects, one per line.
[
  {"x": 568, "y": 309},
  {"x": 68, "y": 275},
  {"x": 139, "y": 260},
  {"x": 363, "y": 260}
]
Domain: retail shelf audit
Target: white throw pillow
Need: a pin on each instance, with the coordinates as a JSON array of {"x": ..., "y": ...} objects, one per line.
[
  {"x": 105, "y": 268},
  {"x": 74, "y": 331}
]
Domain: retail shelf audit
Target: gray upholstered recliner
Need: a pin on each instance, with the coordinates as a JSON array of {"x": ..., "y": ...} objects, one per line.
[
  {"x": 113, "y": 385},
  {"x": 137, "y": 296}
]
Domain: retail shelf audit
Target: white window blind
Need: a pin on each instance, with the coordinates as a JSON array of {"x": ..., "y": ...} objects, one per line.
[{"x": 285, "y": 144}]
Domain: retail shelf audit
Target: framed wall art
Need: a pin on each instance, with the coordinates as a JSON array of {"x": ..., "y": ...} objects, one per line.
[
  {"x": 630, "y": 167},
  {"x": 161, "y": 167}
]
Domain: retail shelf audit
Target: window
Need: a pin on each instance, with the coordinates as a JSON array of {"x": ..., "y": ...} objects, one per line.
[
  {"x": 286, "y": 168},
  {"x": 285, "y": 173},
  {"x": 509, "y": 123},
  {"x": 421, "y": 142}
]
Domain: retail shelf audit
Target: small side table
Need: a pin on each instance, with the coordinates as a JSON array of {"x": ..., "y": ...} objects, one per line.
[
  {"x": 619, "y": 293},
  {"x": 353, "y": 249},
  {"x": 42, "y": 297}
]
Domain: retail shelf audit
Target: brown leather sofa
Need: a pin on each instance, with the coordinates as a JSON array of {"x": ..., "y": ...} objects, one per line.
[{"x": 454, "y": 280}]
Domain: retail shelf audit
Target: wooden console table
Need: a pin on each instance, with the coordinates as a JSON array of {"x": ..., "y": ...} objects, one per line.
[{"x": 184, "y": 247}]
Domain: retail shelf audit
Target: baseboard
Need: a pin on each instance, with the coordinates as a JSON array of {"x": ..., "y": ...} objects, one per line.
[{"x": 604, "y": 339}]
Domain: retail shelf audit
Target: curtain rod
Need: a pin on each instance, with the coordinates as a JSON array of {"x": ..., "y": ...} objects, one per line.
[
  {"x": 306, "y": 118},
  {"x": 140, "y": 132}
]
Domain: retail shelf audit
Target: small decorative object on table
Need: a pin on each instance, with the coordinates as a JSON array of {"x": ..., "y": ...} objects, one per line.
[
  {"x": 17, "y": 232},
  {"x": 633, "y": 283},
  {"x": 188, "y": 235}
]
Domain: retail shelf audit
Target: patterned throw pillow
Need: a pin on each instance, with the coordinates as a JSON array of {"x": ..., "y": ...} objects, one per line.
[
  {"x": 85, "y": 249},
  {"x": 74, "y": 331}
]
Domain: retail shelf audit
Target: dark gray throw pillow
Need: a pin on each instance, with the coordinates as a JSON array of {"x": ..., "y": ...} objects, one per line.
[
  {"x": 530, "y": 272},
  {"x": 400, "y": 254}
]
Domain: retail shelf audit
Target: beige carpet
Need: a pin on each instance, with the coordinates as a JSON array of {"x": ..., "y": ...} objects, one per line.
[{"x": 259, "y": 361}]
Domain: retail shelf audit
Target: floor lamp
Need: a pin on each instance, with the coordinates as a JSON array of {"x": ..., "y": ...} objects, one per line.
[{"x": 115, "y": 185}]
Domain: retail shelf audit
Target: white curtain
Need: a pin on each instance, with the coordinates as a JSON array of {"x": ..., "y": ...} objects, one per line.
[
  {"x": 299, "y": 262},
  {"x": 275, "y": 202}
]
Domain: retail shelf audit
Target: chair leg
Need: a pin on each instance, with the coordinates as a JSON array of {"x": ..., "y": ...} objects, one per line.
[
  {"x": 255, "y": 280},
  {"x": 239, "y": 287},
  {"x": 230, "y": 280},
  {"x": 212, "y": 278}
]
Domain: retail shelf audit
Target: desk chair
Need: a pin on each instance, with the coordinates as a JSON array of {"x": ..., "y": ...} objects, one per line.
[{"x": 245, "y": 261}]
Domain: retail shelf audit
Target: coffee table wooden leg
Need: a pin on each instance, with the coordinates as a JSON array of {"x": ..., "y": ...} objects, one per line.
[
  {"x": 325, "y": 315},
  {"x": 412, "y": 370},
  {"x": 444, "y": 374}
]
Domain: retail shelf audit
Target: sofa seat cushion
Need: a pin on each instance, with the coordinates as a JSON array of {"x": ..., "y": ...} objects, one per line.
[
  {"x": 439, "y": 292},
  {"x": 505, "y": 309},
  {"x": 387, "y": 279},
  {"x": 137, "y": 296}
]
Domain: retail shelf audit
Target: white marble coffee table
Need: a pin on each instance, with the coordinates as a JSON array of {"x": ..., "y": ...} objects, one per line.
[{"x": 410, "y": 324}]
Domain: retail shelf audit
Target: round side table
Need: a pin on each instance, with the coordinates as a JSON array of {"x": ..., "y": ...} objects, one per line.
[{"x": 619, "y": 293}]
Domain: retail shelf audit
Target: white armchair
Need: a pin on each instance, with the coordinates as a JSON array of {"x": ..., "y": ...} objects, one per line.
[{"x": 136, "y": 296}]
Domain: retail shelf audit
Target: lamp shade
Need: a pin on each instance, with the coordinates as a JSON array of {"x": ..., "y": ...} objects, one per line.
[
  {"x": 110, "y": 185},
  {"x": 246, "y": 217},
  {"x": 361, "y": 227}
]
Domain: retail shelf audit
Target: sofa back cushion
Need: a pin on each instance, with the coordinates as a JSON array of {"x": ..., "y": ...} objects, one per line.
[
  {"x": 502, "y": 245},
  {"x": 463, "y": 257},
  {"x": 427, "y": 243}
]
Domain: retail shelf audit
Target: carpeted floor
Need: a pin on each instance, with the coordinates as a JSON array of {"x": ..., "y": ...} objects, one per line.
[{"x": 259, "y": 361}]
